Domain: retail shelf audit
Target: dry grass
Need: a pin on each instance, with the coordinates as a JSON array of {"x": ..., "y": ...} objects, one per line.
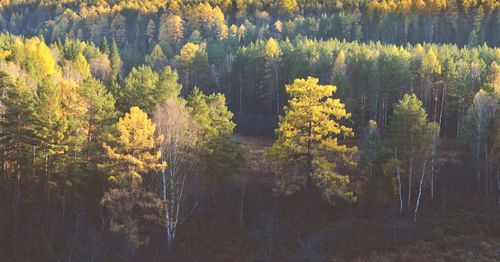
[{"x": 451, "y": 248}]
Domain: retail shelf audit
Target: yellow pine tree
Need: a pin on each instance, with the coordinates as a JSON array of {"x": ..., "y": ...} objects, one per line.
[
  {"x": 134, "y": 153},
  {"x": 308, "y": 141},
  {"x": 289, "y": 6}
]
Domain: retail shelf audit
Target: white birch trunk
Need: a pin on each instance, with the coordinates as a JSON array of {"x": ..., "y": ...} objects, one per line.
[
  {"x": 410, "y": 178},
  {"x": 399, "y": 184},
  {"x": 433, "y": 159},
  {"x": 417, "y": 205}
]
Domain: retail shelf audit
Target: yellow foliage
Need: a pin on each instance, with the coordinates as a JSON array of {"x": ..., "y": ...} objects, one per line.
[
  {"x": 35, "y": 57},
  {"x": 308, "y": 138},
  {"x": 272, "y": 48},
  {"x": 289, "y": 6},
  {"x": 135, "y": 152},
  {"x": 188, "y": 53},
  {"x": 431, "y": 64},
  {"x": 82, "y": 67}
]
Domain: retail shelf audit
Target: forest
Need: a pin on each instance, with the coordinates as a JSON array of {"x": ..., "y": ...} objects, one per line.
[{"x": 250, "y": 130}]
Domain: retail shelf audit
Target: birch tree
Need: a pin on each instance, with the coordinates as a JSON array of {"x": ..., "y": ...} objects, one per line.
[
  {"x": 180, "y": 150},
  {"x": 434, "y": 130},
  {"x": 429, "y": 145},
  {"x": 480, "y": 116},
  {"x": 405, "y": 136}
]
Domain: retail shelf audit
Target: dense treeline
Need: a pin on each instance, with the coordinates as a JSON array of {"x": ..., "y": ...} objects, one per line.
[
  {"x": 156, "y": 35},
  {"x": 370, "y": 78},
  {"x": 134, "y": 25},
  {"x": 65, "y": 146},
  {"x": 374, "y": 124}
]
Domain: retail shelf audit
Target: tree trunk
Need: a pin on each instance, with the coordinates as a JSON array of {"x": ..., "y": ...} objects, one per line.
[
  {"x": 478, "y": 172},
  {"x": 48, "y": 184},
  {"x": 372, "y": 183},
  {"x": 434, "y": 117},
  {"x": 486, "y": 174},
  {"x": 64, "y": 201},
  {"x": 417, "y": 205},
  {"x": 242, "y": 199},
  {"x": 498, "y": 186},
  {"x": 17, "y": 197},
  {"x": 399, "y": 184},
  {"x": 309, "y": 158},
  {"x": 410, "y": 178},
  {"x": 277, "y": 91},
  {"x": 442, "y": 107},
  {"x": 433, "y": 159},
  {"x": 168, "y": 220},
  {"x": 240, "y": 94}
]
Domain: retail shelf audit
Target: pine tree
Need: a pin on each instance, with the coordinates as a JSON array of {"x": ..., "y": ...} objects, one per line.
[
  {"x": 168, "y": 87},
  {"x": 116, "y": 62},
  {"x": 105, "y": 45},
  {"x": 307, "y": 135},
  {"x": 185, "y": 59},
  {"x": 81, "y": 68},
  {"x": 157, "y": 59},
  {"x": 201, "y": 72},
  {"x": 151, "y": 32},
  {"x": 100, "y": 115},
  {"x": 171, "y": 31},
  {"x": 211, "y": 114},
  {"x": 273, "y": 53},
  {"x": 133, "y": 154},
  {"x": 289, "y": 6},
  {"x": 53, "y": 132},
  {"x": 371, "y": 157},
  {"x": 118, "y": 29},
  {"x": 17, "y": 134},
  {"x": 144, "y": 88},
  {"x": 338, "y": 75}
]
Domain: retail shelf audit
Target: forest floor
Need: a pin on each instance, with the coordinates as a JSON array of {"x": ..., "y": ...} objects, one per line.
[
  {"x": 449, "y": 248},
  {"x": 253, "y": 148},
  {"x": 364, "y": 237}
]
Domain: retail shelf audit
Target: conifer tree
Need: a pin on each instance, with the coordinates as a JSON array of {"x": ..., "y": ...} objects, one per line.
[
  {"x": 144, "y": 88},
  {"x": 273, "y": 53},
  {"x": 52, "y": 130},
  {"x": 288, "y": 6},
  {"x": 168, "y": 87},
  {"x": 371, "y": 157},
  {"x": 211, "y": 114},
  {"x": 151, "y": 32},
  {"x": 185, "y": 59},
  {"x": 17, "y": 134},
  {"x": 157, "y": 59},
  {"x": 133, "y": 154},
  {"x": 116, "y": 62},
  {"x": 100, "y": 115},
  {"x": 105, "y": 45},
  {"x": 307, "y": 135},
  {"x": 139, "y": 90},
  {"x": 171, "y": 31},
  {"x": 118, "y": 29}
]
